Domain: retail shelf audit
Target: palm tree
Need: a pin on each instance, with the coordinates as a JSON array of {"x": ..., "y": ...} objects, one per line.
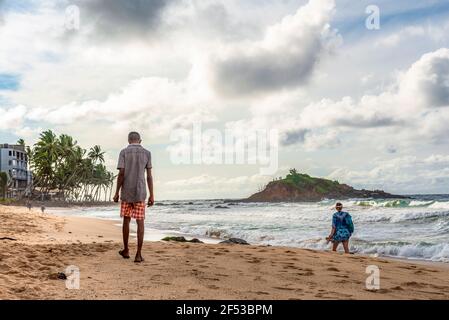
[
  {"x": 96, "y": 154},
  {"x": 21, "y": 142},
  {"x": 44, "y": 157},
  {"x": 60, "y": 165}
]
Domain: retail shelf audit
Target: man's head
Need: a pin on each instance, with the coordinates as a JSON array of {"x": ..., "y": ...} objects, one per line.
[
  {"x": 134, "y": 137},
  {"x": 339, "y": 206}
]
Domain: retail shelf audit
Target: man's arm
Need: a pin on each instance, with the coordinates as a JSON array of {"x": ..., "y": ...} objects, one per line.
[
  {"x": 120, "y": 179},
  {"x": 150, "y": 187}
]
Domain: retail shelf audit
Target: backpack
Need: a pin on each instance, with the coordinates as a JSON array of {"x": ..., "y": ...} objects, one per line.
[{"x": 349, "y": 223}]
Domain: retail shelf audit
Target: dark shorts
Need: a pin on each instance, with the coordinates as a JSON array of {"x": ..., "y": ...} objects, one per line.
[{"x": 342, "y": 234}]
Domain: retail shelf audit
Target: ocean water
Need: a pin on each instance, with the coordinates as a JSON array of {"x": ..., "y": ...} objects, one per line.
[{"x": 415, "y": 228}]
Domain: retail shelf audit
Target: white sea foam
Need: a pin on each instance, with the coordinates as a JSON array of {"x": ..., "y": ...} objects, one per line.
[
  {"x": 440, "y": 205},
  {"x": 435, "y": 252},
  {"x": 417, "y": 228}
]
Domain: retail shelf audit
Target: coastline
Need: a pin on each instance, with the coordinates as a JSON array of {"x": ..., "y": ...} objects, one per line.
[{"x": 46, "y": 244}]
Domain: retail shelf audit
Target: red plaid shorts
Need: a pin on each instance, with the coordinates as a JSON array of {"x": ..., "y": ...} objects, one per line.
[{"x": 134, "y": 210}]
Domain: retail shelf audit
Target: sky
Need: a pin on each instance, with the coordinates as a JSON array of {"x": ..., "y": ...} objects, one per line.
[{"x": 365, "y": 106}]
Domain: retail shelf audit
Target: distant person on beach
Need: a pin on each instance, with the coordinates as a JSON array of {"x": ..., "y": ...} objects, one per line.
[
  {"x": 342, "y": 228},
  {"x": 43, "y": 209},
  {"x": 29, "y": 205},
  {"x": 132, "y": 164}
]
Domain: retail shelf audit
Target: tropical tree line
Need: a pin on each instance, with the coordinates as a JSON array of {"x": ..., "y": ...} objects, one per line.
[{"x": 63, "y": 170}]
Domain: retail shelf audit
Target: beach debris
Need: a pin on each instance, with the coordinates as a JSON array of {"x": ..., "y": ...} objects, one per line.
[
  {"x": 181, "y": 239},
  {"x": 58, "y": 276},
  {"x": 8, "y": 238},
  {"x": 235, "y": 241}
]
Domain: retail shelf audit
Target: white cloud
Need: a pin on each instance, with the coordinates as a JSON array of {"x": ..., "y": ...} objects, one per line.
[
  {"x": 218, "y": 186},
  {"x": 155, "y": 105},
  {"x": 407, "y": 174},
  {"x": 411, "y": 107},
  {"x": 12, "y": 118},
  {"x": 285, "y": 58},
  {"x": 395, "y": 38}
]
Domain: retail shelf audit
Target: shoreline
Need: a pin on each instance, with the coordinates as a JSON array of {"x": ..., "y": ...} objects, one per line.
[
  {"x": 46, "y": 244},
  {"x": 156, "y": 235}
]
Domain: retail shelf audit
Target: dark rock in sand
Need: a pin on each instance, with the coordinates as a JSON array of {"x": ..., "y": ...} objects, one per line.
[
  {"x": 58, "y": 276},
  {"x": 235, "y": 241},
  {"x": 181, "y": 239}
]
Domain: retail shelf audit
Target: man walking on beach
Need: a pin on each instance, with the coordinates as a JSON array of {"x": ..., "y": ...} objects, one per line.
[{"x": 132, "y": 164}]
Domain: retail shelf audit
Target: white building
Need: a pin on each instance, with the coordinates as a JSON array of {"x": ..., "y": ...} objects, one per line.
[{"x": 14, "y": 161}]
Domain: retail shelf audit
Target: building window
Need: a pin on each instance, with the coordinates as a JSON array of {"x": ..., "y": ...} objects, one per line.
[{"x": 10, "y": 153}]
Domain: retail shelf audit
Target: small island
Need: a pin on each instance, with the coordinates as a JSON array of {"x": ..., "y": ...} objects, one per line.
[{"x": 300, "y": 187}]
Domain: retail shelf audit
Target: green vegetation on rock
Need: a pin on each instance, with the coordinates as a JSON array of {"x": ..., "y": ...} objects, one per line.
[{"x": 302, "y": 181}]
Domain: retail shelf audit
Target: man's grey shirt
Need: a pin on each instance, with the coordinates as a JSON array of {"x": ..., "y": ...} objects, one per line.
[{"x": 135, "y": 160}]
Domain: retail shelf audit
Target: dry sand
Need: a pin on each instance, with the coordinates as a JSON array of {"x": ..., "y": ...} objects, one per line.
[{"x": 46, "y": 244}]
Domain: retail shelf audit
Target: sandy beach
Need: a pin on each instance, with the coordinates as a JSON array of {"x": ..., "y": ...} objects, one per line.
[{"x": 36, "y": 247}]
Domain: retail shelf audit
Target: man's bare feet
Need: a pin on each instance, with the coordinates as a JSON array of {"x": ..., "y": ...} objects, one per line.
[
  {"x": 124, "y": 254},
  {"x": 139, "y": 258}
]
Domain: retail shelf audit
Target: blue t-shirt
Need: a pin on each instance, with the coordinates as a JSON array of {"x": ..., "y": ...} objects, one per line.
[{"x": 342, "y": 220}]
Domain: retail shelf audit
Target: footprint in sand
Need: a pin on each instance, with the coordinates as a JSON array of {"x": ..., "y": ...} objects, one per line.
[
  {"x": 4, "y": 267},
  {"x": 284, "y": 288},
  {"x": 397, "y": 288},
  {"x": 333, "y": 269},
  {"x": 381, "y": 291},
  {"x": 291, "y": 267},
  {"x": 343, "y": 281},
  {"x": 254, "y": 261},
  {"x": 211, "y": 279},
  {"x": 192, "y": 291},
  {"x": 213, "y": 287},
  {"x": 414, "y": 284},
  {"x": 420, "y": 272}
]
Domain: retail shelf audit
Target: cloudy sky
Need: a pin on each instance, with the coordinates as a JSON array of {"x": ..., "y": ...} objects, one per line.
[{"x": 366, "y": 107}]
